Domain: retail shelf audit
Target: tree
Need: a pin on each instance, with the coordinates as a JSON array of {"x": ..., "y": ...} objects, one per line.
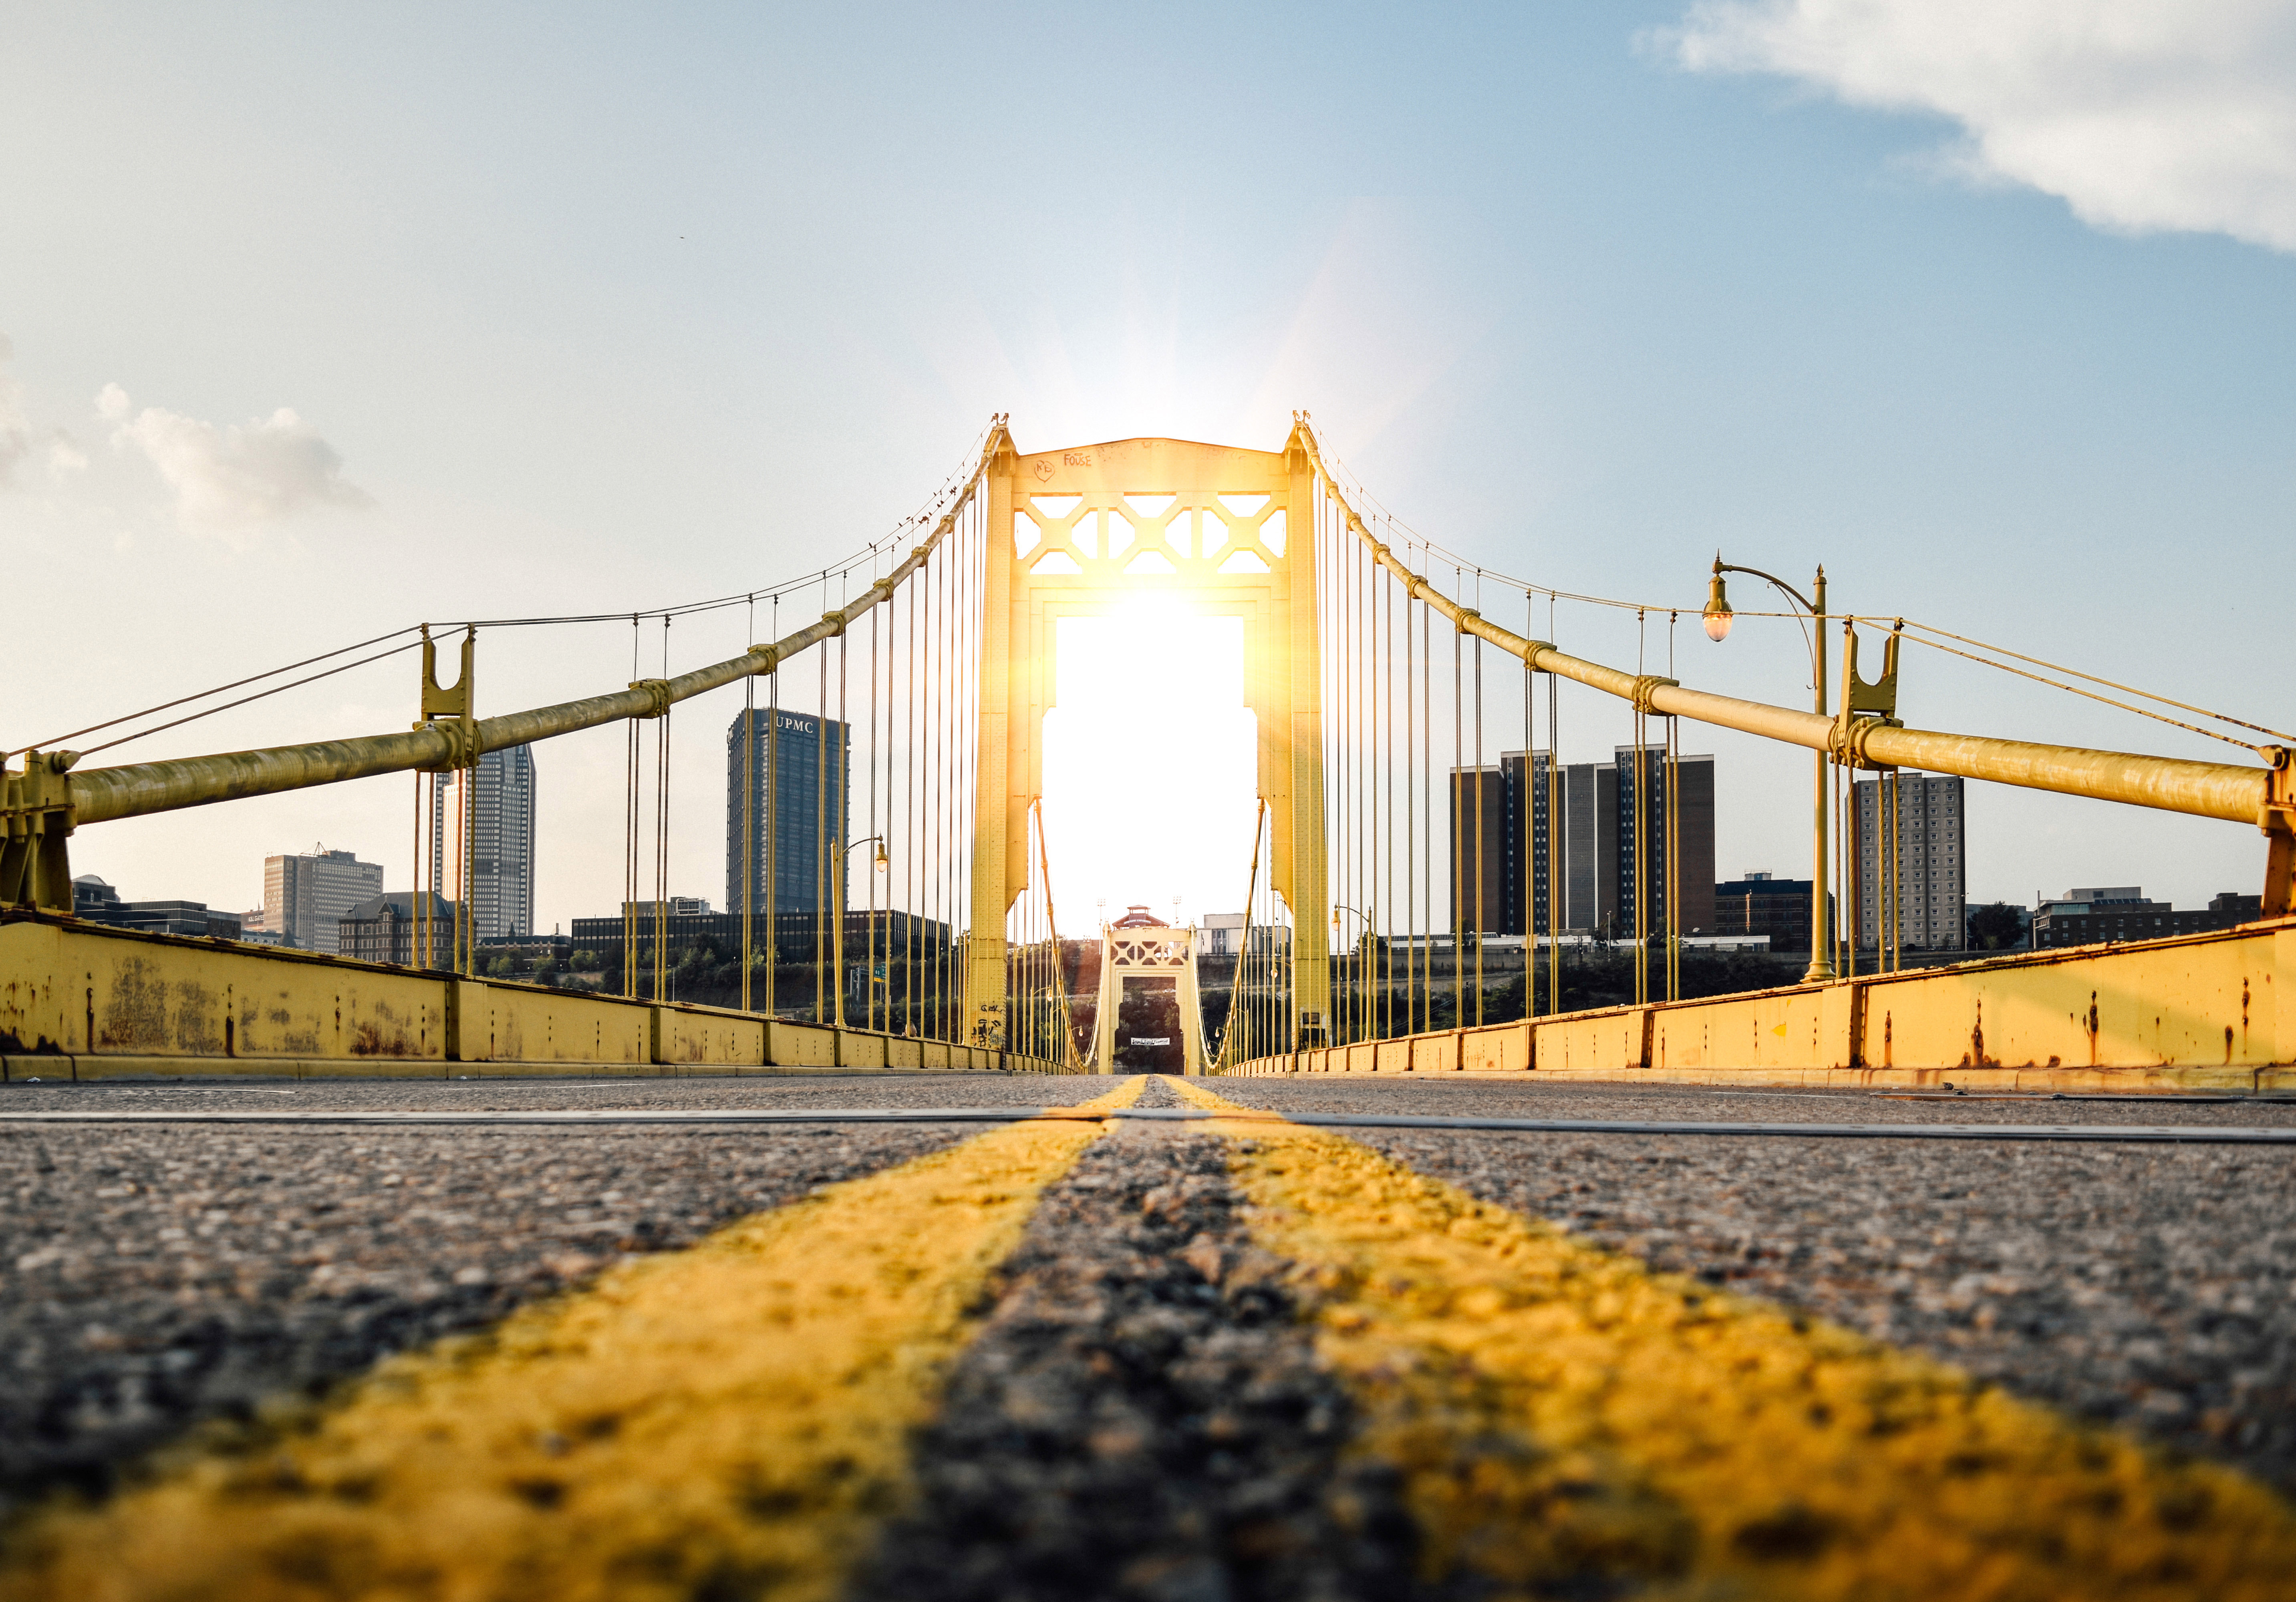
[
  {"x": 1150, "y": 1008},
  {"x": 1996, "y": 927}
]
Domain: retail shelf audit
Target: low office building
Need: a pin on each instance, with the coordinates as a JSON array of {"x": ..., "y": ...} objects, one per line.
[
  {"x": 1219, "y": 935},
  {"x": 384, "y": 929},
  {"x": 97, "y": 902},
  {"x": 792, "y": 933},
  {"x": 1763, "y": 904},
  {"x": 2102, "y": 915}
]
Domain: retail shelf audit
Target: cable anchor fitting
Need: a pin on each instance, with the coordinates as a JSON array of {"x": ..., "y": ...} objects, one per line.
[
  {"x": 2276, "y": 818},
  {"x": 1646, "y": 685},
  {"x": 1865, "y": 707},
  {"x": 451, "y": 709},
  {"x": 39, "y": 817},
  {"x": 657, "y": 694}
]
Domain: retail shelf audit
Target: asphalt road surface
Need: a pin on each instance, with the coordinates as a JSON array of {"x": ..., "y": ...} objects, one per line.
[{"x": 1141, "y": 1408}]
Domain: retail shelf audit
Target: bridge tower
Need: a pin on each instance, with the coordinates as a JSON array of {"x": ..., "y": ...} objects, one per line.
[
  {"x": 1138, "y": 945},
  {"x": 1071, "y": 534}
]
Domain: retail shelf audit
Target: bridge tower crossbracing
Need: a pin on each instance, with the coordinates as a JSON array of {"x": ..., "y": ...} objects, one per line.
[
  {"x": 1074, "y": 532},
  {"x": 1151, "y": 951}
]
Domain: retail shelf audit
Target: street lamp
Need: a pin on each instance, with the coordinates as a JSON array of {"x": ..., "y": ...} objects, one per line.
[
  {"x": 1717, "y": 618},
  {"x": 1337, "y": 908},
  {"x": 838, "y": 942}
]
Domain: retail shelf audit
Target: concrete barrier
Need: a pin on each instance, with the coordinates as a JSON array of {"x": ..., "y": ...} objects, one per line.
[
  {"x": 80, "y": 1000},
  {"x": 2191, "y": 1012}
]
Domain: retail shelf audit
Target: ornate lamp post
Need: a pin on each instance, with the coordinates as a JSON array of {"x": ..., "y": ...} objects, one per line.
[
  {"x": 1718, "y": 629},
  {"x": 1337, "y": 908},
  {"x": 838, "y": 901}
]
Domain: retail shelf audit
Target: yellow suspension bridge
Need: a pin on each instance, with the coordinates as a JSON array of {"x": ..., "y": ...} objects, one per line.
[{"x": 1297, "y": 1322}]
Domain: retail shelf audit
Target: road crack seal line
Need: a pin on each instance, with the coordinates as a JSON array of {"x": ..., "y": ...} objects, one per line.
[
  {"x": 1563, "y": 1416},
  {"x": 728, "y": 1420},
  {"x": 1142, "y": 1418}
]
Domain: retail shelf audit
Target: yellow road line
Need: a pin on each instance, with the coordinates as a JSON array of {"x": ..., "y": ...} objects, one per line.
[
  {"x": 730, "y": 1419},
  {"x": 1557, "y": 1408}
]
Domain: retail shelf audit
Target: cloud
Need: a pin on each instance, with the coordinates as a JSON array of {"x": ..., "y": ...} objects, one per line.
[
  {"x": 15, "y": 439},
  {"x": 233, "y": 477},
  {"x": 2143, "y": 115}
]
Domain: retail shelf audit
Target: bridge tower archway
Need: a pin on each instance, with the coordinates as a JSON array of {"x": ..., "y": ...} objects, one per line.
[
  {"x": 1139, "y": 946},
  {"x": 1073, "y": 533}
]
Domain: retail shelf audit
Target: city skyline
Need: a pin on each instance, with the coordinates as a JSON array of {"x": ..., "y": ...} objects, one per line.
[{"x": 1697, "y": 300}]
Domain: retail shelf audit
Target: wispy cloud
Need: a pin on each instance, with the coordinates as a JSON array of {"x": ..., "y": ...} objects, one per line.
[
  {"x": 15, "y": 439},
  {"x": 2143, "y": 115},
  {"x": 230, "y": 478}
]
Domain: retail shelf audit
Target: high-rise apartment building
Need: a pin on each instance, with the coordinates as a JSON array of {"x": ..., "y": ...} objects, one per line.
[
  {"x": 1650, "y": 857},
  {"x": 305, "y": 897},
  {"x": 799, "y": 796},
  {"x": 1931, "y": 870},
  {"x": 1483, "y": 893},
  {"x": 501, "y": 843},
  {"x": 1506, "y": 851}
]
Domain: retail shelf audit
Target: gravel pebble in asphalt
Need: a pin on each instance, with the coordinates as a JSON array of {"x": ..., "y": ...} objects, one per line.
[
  {"x": 1142, "y": 1417},
  {"x": 152, "y": 1278},
  {"x": 2149, "y": 1287}
]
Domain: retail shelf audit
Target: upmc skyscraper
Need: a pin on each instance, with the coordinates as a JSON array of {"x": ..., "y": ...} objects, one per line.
[{"x": 805, "y": 766}]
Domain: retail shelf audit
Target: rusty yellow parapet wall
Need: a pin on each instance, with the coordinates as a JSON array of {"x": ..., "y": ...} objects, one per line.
[
  {"x": 78, "y": 1001},
  {"x": 2196, "y": 1012}
]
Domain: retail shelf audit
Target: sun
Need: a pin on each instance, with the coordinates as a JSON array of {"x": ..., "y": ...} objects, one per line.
[{"x": 1149, "y": 776}]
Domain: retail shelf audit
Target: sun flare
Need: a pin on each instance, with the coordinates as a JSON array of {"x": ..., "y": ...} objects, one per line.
[{"x": 1149, "y": 771}]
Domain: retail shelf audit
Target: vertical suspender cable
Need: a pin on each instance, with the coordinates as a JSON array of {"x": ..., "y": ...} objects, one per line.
[
  {"x": 821, "y": 844},
  {"x": 1897, "y": 870},
  {"x": 1352, "y": 554},
  {"x": 869, "y": 1017},
  {"x": 749, "y": 813},
  {"x": 661, "y": 832},
  {"x": 1387, "y": 779},
  {"x": 1410, "y": 816},
  {"x": 1845, "y": 866},
  {"x": 1360, "y": 664},
  {"x": 417, "y": 946},
  {"x": 910, "y": 833},
  {"x": 1427, "y": 816},
  {"x": 630, "y": 839},
  {"x": 1642, "y": 819},
  {"x": 931, "y": 577},
  {"x": 839, "y": 838},
  {"x": 1526, "y": 835},
  {"x": 773, "y": 828},
  {"x": 1673, "y": 841},
  {"x": 1853, "y": 889},
  {"x": 1457, "y": 818},
  {"x": 1556, "y": 823},
  {"x": 1482, "y": 840}
]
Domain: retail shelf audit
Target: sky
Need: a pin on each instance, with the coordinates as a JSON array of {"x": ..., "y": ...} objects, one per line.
[{"x": 320, "y": 323}]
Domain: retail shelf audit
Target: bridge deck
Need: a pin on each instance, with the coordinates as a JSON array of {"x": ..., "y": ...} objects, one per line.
[{"x": 1079, "y": 1356}]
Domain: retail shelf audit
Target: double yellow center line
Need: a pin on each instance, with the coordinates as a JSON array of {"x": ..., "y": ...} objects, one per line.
[
  {"x": 1560, "y": 1411},
  {"x": 735, "y": 1419},
  {"x": 727, "y": 1420}
]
